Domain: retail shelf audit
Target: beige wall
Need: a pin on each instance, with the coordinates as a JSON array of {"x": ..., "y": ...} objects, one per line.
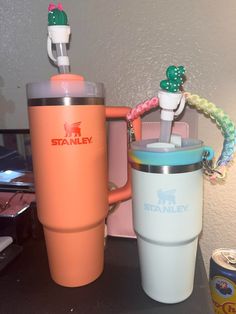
[{"x": 127, "y": 44}]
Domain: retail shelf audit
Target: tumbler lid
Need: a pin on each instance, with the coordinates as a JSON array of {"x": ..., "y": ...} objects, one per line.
[
  {"x": 190, "y": 152},
  {"x": 153, "y": 145},
  {"x": 64, "y": 85}
]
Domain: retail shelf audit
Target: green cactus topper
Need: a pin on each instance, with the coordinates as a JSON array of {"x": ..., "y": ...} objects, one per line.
[
  {"x": 175, "y": 79},
  {"x": 56, "y": 15}
]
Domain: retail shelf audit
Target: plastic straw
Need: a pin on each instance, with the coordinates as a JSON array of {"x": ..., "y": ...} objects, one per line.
[
  {"x": 165, "y": 131},
  {"x": 62, "y": 52}
]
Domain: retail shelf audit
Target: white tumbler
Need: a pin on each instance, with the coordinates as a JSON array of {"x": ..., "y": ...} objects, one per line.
[{"x": 167, "y": 184}]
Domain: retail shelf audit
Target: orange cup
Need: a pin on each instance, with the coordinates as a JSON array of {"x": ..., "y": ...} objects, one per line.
[{"x": 67, "y": 119}]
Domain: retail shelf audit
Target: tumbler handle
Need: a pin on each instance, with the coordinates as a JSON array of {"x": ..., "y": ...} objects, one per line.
[{"x": 124, "y": 192}]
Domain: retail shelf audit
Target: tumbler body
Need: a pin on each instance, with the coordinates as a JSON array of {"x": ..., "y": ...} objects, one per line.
[
  {"x": 67, "y": 127},
  {"x": 167, "y": 216}
]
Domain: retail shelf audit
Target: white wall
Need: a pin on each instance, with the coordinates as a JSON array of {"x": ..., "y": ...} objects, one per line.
[{"x": 127, "y": 44}]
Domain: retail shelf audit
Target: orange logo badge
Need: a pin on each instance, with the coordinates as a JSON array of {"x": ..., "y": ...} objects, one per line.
[
  {"x": 72, "y": 136},
  {"x": 72, "y": 128}
]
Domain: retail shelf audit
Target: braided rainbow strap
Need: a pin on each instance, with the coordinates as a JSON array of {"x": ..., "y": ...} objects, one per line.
[
  {"x": 227, "y": 129},
  {"x": 142, "y": 108}
]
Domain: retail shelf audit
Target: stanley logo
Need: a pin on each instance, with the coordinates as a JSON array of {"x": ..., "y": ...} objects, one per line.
[{"x": 72, "y": 136}]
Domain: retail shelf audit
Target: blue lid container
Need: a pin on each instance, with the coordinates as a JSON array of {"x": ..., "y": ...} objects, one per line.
[{"x": 152, "y": 153}]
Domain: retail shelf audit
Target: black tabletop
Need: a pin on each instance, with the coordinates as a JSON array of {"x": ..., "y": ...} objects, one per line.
[{"x": 26, "y": 286}]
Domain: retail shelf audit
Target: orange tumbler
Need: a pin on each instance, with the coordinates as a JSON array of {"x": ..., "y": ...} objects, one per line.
[{"x": 67, "y": 119}]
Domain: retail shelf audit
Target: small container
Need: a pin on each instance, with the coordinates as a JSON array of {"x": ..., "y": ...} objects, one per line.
[
  {"x": 167, "y": 184},
  {"x": 223, "y": 280}
]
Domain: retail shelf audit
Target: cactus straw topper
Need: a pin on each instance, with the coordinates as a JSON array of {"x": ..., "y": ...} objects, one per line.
[
  {"x": 172, "y": 100},
  {"x": 58, "y": 34},
  {"x": 56, "y": 15},
  {"x": 175, "y": 79}
]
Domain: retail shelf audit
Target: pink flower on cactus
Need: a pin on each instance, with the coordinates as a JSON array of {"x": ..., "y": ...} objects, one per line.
[
  {"x": 51, "y": 7},
  {"x": 59, "y": 6}
]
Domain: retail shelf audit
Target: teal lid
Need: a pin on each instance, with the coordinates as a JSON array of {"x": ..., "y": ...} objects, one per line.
[{"x": 190, "y": 152}]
